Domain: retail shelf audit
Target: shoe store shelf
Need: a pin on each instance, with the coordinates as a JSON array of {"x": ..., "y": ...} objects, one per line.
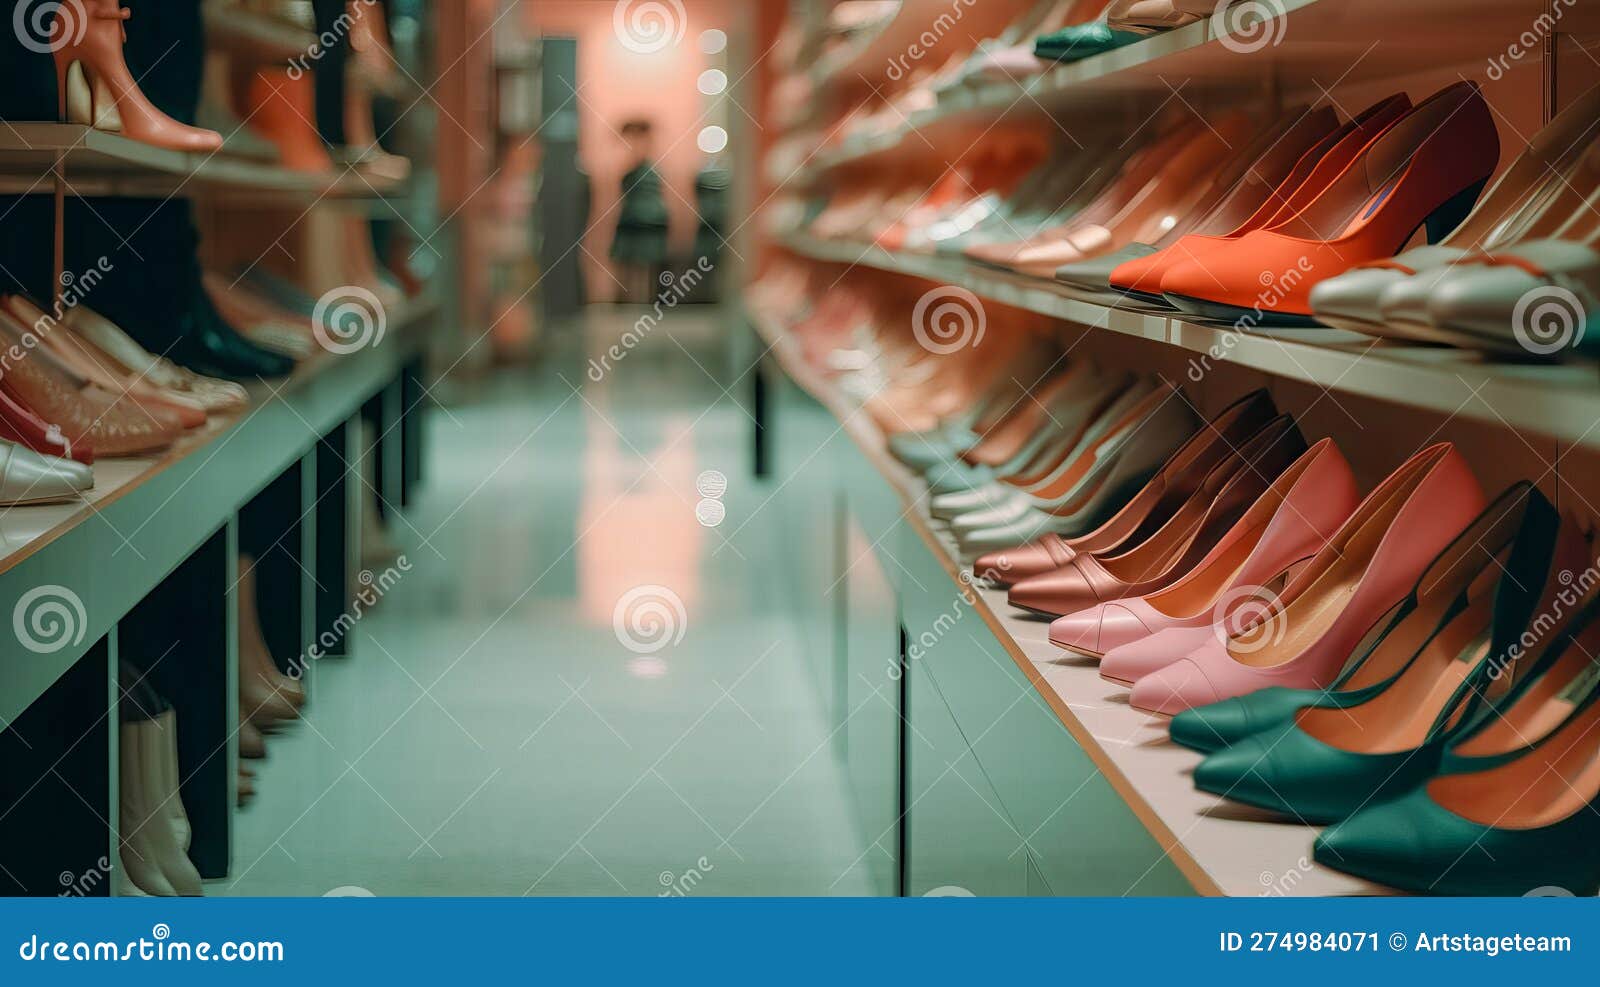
[
  {"x": 1308, "y": 47},
  {"x": 101, "y": 164},
  {"x": 145, "y": 515},
  {"x": 1561, "y": 401},
  {"x": 1221, "y": 849},
  {"x": 265, "y": 39}
]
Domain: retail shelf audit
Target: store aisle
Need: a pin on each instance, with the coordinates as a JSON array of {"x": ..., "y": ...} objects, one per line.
[{"x": 499, "y": 735}]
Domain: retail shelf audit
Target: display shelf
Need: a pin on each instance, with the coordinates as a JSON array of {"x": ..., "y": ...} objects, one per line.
[
  {"x": 258, "y": 37},
  {"x": 1221, "y": 847},
  {"x": 146, "y": 514},
  {"x": 100, "y": 163},
  {"x": 1310, "y": 46},
  {"x": 1561, "y": 401}
]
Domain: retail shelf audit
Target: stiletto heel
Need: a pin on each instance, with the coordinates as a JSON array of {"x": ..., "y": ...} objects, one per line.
[{"x": 1443, "y": 220}]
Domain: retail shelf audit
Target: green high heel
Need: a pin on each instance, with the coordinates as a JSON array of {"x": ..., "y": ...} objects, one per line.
[
  {"x": 1521, "y": 825},
  {"x": 1520, "y": 512},
  {"x": 1080, "y": 41}
]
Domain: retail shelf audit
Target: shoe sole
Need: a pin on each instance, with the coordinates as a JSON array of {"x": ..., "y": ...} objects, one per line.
[{"x": 1234, "y": 314}]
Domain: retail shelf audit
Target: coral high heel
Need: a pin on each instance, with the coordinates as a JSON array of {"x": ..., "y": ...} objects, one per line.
[
  {"x": 1311, "y": 173},
  {"x": 95, "y": 88},
  {"x": 1425, "y": 170}
]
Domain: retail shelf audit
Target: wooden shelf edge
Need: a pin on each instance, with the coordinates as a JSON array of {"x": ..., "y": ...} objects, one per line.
[
  {"x": 28, "y": 150},
  {"x": 1561, "y": 401}
]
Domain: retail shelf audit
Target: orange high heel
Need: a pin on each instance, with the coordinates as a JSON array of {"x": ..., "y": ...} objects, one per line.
[
  {"x": 95, "y": 88},
  {"x": 1425, "y": 169}
]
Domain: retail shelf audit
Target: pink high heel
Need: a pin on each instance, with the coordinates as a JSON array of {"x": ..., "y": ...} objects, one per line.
[
  {"x": 1303, "y": 639},
  {"x": 1289, "y": 524}
]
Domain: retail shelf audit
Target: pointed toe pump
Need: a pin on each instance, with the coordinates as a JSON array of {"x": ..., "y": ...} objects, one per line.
[
  {"x": 1520, "y": 513},
  {"x": 1426, "y": 169},
  {"x": 1096, "y": 484},
  {"x": 1506, "y": 828},
  {"x": 1284, "y": 528},
  {"x": 1545, "y": 186},
  {"x": 1236, "y": 192},
  {"x": 1224, "y": 494},
  {"x": 1149, "y": 509},
  {"x": 1326, "y": 763},
  {"x": 1303, "y": 638},
  {"x": 96, "y": 89},
  {"x": 1312, "y": 172}
]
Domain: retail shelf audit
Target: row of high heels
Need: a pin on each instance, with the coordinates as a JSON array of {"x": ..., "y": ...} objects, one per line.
[
  {"x": 1411, "y": 667},
  {"x": 1456, "y": 752},
  {"x": 1046, "y": 33},
  {"x": 1287, "y": 221}
]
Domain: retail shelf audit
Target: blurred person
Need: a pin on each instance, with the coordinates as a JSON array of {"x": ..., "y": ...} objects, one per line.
[{"x": 639, "y": 247}]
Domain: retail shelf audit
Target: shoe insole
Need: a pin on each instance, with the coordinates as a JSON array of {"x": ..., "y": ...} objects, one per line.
[
  {"x": 1546, "y": 704},
  {"x": 1319, "y": 598},
  {"x": 1555, "y": 781},
  {"x": 1401, "y": 717},
  {"x": 1198, "y": 592},
  {"x": 1369, "y": 208}
]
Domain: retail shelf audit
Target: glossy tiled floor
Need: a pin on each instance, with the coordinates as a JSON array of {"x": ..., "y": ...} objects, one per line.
[{"x": 495, "y": 735}]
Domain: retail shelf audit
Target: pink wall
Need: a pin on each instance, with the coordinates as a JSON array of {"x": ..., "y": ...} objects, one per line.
[{"x": 615, "y": 83}]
